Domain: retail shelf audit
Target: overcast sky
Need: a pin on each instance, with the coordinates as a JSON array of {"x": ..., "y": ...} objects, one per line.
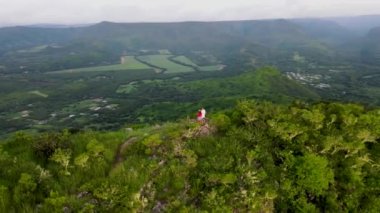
[{"x": 91, "y": 11}]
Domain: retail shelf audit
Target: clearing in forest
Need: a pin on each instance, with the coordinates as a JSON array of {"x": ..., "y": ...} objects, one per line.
[
  {"x": 127, "y": 88},
  {"x": 127, "y": 63},
  {"x": 38, "y": 93},
  {"x": 187, "y": 61},
  {"x": 159, "y": 63},
  {"x": 163, "y": 62}
]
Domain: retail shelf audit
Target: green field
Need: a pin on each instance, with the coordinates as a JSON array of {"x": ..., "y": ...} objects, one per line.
[
  {"x": 127, "y": 88},
  {"x": 133, "y": 64},
  {"x": 35, "y": 49},
  {"x": 162, "y": 61},
  {"x": 38, "y": 93},
  {"x": 129, "y": 63},
  {"x": 185, "y": 60},
  {"x": 211, "y": 68},
  {"x": 148, "y": 81}
]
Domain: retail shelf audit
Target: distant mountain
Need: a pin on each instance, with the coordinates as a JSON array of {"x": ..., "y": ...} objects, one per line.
[
  {"x": 13, "y": 38},
  {"x": 326, "y": 31},
  {"x": 314, "y": 46},
  {"x": 359, "y": 24},
  {"x": 370, "y": 51},
  {"x": 263, "y": 40},
  {"x": 164, "y": 35},
  {"x": 374, "y": 33},
  {"x": 58, "y": 25}
]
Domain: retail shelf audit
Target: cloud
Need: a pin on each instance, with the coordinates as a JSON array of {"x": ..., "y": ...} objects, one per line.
[{"x": 89, "y": 11}]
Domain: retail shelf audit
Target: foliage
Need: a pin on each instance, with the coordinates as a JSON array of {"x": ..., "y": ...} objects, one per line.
[
  {"x": 47, "y": 144},
  {"x": 62, "y": 157},
  {"x": 263, "y": 158}
]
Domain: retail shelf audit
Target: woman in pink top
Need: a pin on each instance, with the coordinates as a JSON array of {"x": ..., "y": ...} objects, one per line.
[{"x": 199, "y": 116}]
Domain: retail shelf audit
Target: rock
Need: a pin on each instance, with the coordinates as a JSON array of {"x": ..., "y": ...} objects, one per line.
[{"x": 158, "y": 207}]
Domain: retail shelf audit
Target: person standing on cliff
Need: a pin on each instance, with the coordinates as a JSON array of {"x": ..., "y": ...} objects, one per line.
[
  {"x": 199, "y": 116},
  {"x": 203, "y": 111}
]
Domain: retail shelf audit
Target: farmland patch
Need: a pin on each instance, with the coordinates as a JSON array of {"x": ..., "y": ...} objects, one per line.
[
  {"x": 127, "y": 63},
  {"x": 38, "y": 93},
  {"x": 163, "y": 62}
]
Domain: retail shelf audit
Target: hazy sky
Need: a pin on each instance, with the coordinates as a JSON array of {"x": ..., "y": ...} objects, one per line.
[{"x": 90, "y": 11}]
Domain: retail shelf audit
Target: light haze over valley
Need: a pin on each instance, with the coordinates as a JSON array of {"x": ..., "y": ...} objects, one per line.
[{"x": 103, "y": 106}]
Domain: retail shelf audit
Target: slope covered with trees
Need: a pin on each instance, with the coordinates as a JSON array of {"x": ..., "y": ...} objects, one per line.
[
  {"x": 255, "y": 157},
  {"x": 161, "y": 99}
]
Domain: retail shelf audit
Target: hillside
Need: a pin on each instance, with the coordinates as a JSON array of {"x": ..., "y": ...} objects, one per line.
[
  {"x": 359, "y": 24},
  {"x": 221, "y": 93},
  {"x": 263, "y": 157},
  {"x": 108, "y": 100},
  {"x": 107, "y": 74},
  {"x": 371, "y": 48}
]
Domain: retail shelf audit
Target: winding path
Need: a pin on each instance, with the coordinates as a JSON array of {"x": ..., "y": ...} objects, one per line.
[{"x": 120, "y": 151}]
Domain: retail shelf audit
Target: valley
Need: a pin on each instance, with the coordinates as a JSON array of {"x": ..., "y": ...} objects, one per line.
[
  {"x": 102, "y": 117},
  {"x": 51, "y": 82}
]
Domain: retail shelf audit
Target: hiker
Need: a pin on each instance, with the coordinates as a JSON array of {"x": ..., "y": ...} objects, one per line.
[
  {"x": 203, "y": 111},
  {"x": 199, "y": 116}
]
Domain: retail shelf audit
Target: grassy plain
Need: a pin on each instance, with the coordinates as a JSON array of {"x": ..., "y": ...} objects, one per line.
[
  {"x": 162, "y": 61},
  {"x": 35, "y": 49},
  {"x": 211, "y": 68},
  {"x": 38, "y": 93},
  {"x": 130, "y": 63},
  {"x": 185, "y": 60}
]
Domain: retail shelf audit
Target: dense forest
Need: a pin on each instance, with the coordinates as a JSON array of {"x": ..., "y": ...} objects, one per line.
[{"x": 255, "y": 157}]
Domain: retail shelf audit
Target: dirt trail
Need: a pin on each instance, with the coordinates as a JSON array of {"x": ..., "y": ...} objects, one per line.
[
  {"x": 120, "y": 151},
  {"x": 205, "y": 130}
]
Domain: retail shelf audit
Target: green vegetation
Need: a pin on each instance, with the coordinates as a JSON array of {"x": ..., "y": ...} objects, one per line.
[
  {"x": 211, "y": 68},
  {"x": 267, "y": 82},
  {"x": 126, "y": 149},
  {"x": 85, "y": 100},
  {"x": 255, "y": 157},
  {"x": 306, "y": 48},
  {"x": 185, "y": 60},
  {"x": 38, "y": 93},
  {"x": 82, "y": 105},
  {"x": 163, "y": 62},
  {"x": 35, "y": 49},
  {"x": 129, "y": 63},
  {"x": 133, "y": 64},
  {"x": 160, "y": 62},
  {"x": 128, "y": 88}
]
